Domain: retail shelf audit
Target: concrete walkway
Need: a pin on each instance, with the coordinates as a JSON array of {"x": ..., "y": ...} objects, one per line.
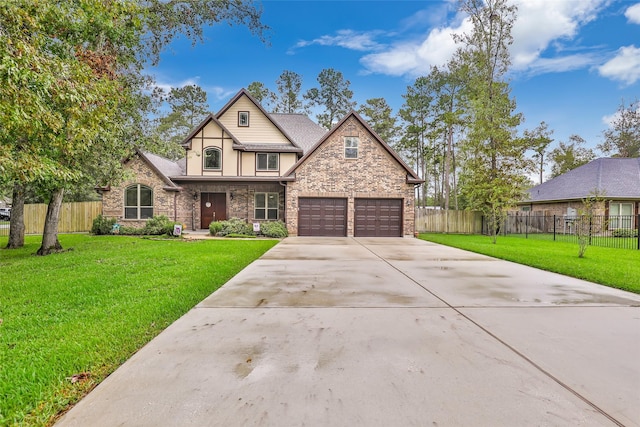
[{"x": 384, "y": 332}]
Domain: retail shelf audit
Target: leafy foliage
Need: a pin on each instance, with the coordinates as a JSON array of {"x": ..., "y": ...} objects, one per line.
[
  {"x": 570, "y": 155},
  {"x": 623, "y": 138},
  {"x": 275, "y": 229},
  {"x": 215, "y": 227},
  {"x": 188, "y": 108},
  {"x": 102, "y": 225},
  {"x": 235, "y": 226},
  {"x": 333, "y": 95}
]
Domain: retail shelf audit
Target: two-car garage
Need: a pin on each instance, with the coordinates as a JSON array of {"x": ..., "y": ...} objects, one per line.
[{"x": 318, "y": 216}]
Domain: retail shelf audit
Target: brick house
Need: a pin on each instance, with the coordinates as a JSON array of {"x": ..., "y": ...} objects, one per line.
[
  {"x": 246, "y": 163},
  {"x": 617, "y": 180}
]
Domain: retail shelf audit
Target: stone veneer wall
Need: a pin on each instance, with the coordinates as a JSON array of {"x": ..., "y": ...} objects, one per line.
[
  {"x": 139, "y": 173},
  {"x": 374, "y": 174}
]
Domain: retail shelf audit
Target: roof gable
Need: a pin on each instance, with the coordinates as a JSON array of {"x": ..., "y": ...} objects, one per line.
[
  {"x": 614, "y": 178},
  {"x": 243, "y": 94},
  {"x": 162, "y": 167},
  {"x": 412, "y": 177}
]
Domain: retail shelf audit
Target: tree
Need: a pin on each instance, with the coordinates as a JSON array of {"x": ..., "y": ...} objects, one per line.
[
  {"x": 584, "y": 223},
  {"x": 262, "y": 94},
  {"x": 287, "y": 100},
  {"x": 623, "y": 138},
  {"x": 66, "y": 77},
  {"x": 569, "y": 155},
  {"x": 494, "y": 164},
  {"x": 378, "y": 115},
  {"x": 415, "y": 113},
  {"x": 188, "y": 108},
  {"x": 539, "y": 139},
  {"x": 333, "y": 95}
]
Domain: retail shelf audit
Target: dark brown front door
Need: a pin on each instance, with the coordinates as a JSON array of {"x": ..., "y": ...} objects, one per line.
[
  {"x": 213, "y": 207},
  {"x": 322, "y": 217},
  {"x": 378, "y": 218}
]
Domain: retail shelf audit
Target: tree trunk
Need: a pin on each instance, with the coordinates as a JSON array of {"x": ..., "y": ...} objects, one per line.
[
  {"x": 50, "y": 241},
  {"x": 16, "y": 227}
]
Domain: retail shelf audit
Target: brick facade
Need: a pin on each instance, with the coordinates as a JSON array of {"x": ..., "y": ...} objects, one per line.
[
  {"x": 374, "y": 174},
  {"x": 164, "y": 202}
]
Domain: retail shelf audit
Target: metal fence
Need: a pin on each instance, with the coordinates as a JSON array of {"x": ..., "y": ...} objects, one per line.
[{"x": 613, "y": 231}]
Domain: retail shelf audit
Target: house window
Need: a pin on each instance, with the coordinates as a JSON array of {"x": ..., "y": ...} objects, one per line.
[
  {"x": 267, "y": 161},
  {"x": 243, "y": 118},
  {"x": 266, "y": 206},
  {"x": 213, "y": 159},
  {"x": 351, "y": 147},
  {"x": 620, "y": 215},
  {"x": 138, "y": 202}
]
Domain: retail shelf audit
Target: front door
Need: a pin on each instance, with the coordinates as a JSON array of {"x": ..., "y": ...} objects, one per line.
[{"x": 213, "y": 207}]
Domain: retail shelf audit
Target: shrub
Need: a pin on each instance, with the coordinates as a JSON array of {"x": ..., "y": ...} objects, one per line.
[
  {"x": 275, "y": 229},
  {"x": 624, "y": 232},
  {"x": 235, "y": 226},
  {"x": 131, "y": 231},
  {"x": 158, "y": 225},
  {"x": 102, "y": 225},
  {"x": 215, "y": 227}
]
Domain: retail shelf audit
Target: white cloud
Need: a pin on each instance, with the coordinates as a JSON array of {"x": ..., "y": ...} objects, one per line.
[
  {"x": 541, "y": 22},
  {"x": 624, "y": 67},
  {"x": 348, "y": 39},
  {"x": 416, "y": 58},
  {"x": 633, "y": 14}
]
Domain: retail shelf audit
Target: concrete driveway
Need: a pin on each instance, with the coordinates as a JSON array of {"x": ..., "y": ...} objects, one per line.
[{"x": 384, "y": 332}]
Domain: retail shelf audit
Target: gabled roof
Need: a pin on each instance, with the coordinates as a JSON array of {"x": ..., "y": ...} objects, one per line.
[
  {"x": 244, "y": 92},
  {"x": 210, "y": 118},
  {"x": 412, "y": 177},
  {"x": 164, "y": 168},
  {"x": 613, "y": 178},
  {"x": 304, "y": 131}
]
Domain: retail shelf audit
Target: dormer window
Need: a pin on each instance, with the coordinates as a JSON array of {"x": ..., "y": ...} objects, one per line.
[
  {"x": 243, "y": 118},
  {"x": 212, "y": 159}
]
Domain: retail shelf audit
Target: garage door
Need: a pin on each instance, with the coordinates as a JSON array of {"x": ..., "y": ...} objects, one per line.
[
  {"x": 378, "y": 218},
  {"x": 322, "y": 217}
]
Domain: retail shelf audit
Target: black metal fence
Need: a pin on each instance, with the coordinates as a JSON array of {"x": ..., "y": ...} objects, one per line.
[{"x": 613, "y": 231}]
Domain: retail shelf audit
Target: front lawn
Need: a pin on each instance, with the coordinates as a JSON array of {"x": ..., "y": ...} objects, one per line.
[
  {"x": 68, "y": 320},
  {"x": 618, "y": 268}
]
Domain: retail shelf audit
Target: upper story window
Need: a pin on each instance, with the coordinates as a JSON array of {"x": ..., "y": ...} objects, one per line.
[
  {"x": 267, "y": 161},
  {"x": 138, "y": 202},
  {"x": 243, "y": 118},
  {"x": 351, "y": 147},
  {"x": 212, "y": 158}
]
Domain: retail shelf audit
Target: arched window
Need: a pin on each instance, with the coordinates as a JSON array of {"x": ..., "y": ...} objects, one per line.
[
  {"x": 212, "y": 158},
  {"x": 138, "y": 202}
]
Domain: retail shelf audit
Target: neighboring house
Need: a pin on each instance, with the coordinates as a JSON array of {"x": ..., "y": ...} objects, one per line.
[
  {"x": 615, "y": 179},
  {"x": 246, "y": 163}
]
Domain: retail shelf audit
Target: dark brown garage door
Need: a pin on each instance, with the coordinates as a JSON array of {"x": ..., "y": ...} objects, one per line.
[
  {"x": 322, "y": 217},
  {"x": 378, "y": 218}
]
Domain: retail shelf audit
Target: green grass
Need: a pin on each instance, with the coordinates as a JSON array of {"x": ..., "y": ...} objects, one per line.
[
  {"x": 87, "y": 310},
  {"x": 618, "y": 268}
]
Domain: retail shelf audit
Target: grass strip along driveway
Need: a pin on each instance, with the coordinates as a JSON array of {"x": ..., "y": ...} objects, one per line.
[
  {"x": 617, "y": 268},
  {"x": 70, "y": 319}
]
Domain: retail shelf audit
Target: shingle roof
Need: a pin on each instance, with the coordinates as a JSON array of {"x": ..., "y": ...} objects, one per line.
[
  {"x": 614, "y": 178},
  {"x": 165, "y": 166},
  {"x": 304, "y": 131}
]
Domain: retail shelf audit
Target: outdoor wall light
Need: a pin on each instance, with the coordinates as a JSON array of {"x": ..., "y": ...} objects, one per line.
[
  {"x": 231, "y": 196},
  {"x": 195, "y": 195}
]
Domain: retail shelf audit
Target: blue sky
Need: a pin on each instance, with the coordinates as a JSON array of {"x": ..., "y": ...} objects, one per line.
[{"x": 574, "y": 61}]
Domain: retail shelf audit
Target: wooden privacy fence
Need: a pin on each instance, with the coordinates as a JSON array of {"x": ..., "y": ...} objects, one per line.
[
  {"x": 74, "y": 217},
  {"x": 442, "y": 221}
]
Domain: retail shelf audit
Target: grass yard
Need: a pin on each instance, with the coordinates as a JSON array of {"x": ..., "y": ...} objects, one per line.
[
  {"x": 618, "y": 268},
  {"x": 70, "y": 319}
]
